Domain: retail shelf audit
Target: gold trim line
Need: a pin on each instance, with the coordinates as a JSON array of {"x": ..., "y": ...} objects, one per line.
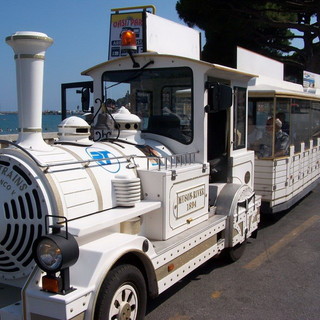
[
  {"x": 184, "y": 258},
  {"x": 29, "y": 130},
  {"x": 28, "y": 37},
  {"x": 29, "y": 56}
]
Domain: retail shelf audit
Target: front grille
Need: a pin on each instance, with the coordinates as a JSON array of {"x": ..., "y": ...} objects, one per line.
[
  {"x": 21, "y": 218},
  {"x": 19, "y": 236}
]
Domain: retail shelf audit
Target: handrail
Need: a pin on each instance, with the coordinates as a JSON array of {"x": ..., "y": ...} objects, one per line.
[
  {"x": 22, "y": 149},
  {"x": 171, "y": 161},
  {"x": 183, "y": 159},
  {"x": 49, "y": 165}
]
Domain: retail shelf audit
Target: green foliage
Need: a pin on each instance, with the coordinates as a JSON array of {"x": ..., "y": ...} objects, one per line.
[{"x": 266, "y": 27}]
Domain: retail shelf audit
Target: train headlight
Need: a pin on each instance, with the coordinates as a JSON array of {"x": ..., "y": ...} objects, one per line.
[
  {"x": 54, "y": 254},
  {"x": 49, "y": 255}
]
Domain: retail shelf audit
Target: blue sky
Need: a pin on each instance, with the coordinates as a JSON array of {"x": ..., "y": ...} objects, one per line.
[{"x": 80, "y": 30}]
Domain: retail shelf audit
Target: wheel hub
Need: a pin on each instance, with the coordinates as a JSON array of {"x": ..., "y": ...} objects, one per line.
[
  {"x": 125, "y": 311},
  {"x": 124, "y": 305}
]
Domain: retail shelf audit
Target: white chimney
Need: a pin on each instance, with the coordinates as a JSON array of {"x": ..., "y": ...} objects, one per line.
[{"x": 29, "y": 48}]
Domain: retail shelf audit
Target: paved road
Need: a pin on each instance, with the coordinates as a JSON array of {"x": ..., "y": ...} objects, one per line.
[{"x": 277, "y": 278}]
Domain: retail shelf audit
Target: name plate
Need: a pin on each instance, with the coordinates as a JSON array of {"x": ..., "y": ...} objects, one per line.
[{"x": 190, "y": 200}]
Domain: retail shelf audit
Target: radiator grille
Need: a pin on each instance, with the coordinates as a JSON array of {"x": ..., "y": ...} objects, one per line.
[{"x": 22, "y": 212}]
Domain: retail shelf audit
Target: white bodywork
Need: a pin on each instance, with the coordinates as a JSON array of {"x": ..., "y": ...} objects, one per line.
[
  {"x": 122, "y": 205},
  {"x": 282, "y": 181}
]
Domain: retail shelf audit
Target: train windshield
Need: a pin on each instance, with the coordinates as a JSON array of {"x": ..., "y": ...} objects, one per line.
[{"x": 162, "y": 98}]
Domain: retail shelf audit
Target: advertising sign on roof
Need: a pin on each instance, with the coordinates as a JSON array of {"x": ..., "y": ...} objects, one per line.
[
  {"x": 311, "y": 81},
  {"x": 121, "y": 22},
  {"x": 153, "y": 34}
]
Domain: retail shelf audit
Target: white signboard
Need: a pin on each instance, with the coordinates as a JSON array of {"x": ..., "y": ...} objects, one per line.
[
  {"x": 255, "y": 63},
  {"x": 167, "y": 37}
]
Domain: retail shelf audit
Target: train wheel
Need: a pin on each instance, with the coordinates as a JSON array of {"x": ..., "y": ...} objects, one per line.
[
  {"x": 123, "y": 295},
  {"x": 235, "y": 253}
]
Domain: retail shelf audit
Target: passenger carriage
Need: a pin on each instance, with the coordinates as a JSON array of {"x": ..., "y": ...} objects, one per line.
[{"x": 284, "y": 179}]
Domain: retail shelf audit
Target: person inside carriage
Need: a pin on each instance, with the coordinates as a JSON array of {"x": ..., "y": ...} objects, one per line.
[{"x": 263, "y": 146}]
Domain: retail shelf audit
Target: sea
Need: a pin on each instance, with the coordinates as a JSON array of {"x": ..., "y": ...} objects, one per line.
[{"x": 9, "y": 123}]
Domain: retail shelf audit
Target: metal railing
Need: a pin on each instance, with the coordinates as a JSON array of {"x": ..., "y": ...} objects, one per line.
[
  {"x": 172, "y": 161},
  {"x": 160, "y": 163}
]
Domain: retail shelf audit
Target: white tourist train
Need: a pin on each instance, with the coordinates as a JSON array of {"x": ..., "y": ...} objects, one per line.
[{"x": 124, "y": 205}]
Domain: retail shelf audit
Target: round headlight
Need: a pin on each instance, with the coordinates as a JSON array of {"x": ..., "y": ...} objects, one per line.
[
  {"x": 55, "y": 252},
  {"x": 49, "y": 255}
]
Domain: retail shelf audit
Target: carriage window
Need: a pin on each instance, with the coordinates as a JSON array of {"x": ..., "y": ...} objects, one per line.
[
  {"x": 260, "y": 136},
  {"x": 300, "y": 123},
  {"x": 239, "y": 132},
  {"x": 283, "y": 113},
  {"x": 162, "y": 98},
  {"x": 315, "y": 121}
]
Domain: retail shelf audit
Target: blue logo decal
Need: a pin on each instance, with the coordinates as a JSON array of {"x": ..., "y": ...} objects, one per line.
[{"x": 107, "y": 160}]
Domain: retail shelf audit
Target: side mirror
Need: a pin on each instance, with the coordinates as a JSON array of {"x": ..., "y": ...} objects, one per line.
[
  {"x": 219, "y": 97},
  {"x": 85, "y": 99}
]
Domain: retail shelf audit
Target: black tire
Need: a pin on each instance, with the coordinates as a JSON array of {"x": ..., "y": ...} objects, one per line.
[
  {"x": 123, "y": 295},
  {"x": 235, "y": 253}
]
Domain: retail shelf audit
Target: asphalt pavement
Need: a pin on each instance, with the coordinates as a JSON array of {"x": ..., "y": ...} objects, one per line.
[{"x": 278, "y": 276}]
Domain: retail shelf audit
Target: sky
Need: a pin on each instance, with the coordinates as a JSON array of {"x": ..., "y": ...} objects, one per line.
[{"x": 80, "y": 30}]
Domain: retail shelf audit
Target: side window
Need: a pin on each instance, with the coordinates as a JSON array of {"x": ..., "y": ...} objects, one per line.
[
  {"x": 269, "y": 127},
  {"x": 300, "y": 123},
  {"x": 239, "y": 118},
  {"x": 260, "y": 136},
  {"x": 315, "y": 121}
]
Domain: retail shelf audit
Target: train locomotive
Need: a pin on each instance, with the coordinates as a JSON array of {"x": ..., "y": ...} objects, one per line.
[{"x": 121, "y": 209}]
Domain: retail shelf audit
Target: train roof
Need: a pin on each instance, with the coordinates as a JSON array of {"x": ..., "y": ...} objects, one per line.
[
  {"x": 262, "y": 91},
  {"x": 224, "y": 71}
]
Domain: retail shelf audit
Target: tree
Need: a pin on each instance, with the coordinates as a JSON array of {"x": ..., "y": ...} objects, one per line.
[{"x": 266, "y": 27}]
